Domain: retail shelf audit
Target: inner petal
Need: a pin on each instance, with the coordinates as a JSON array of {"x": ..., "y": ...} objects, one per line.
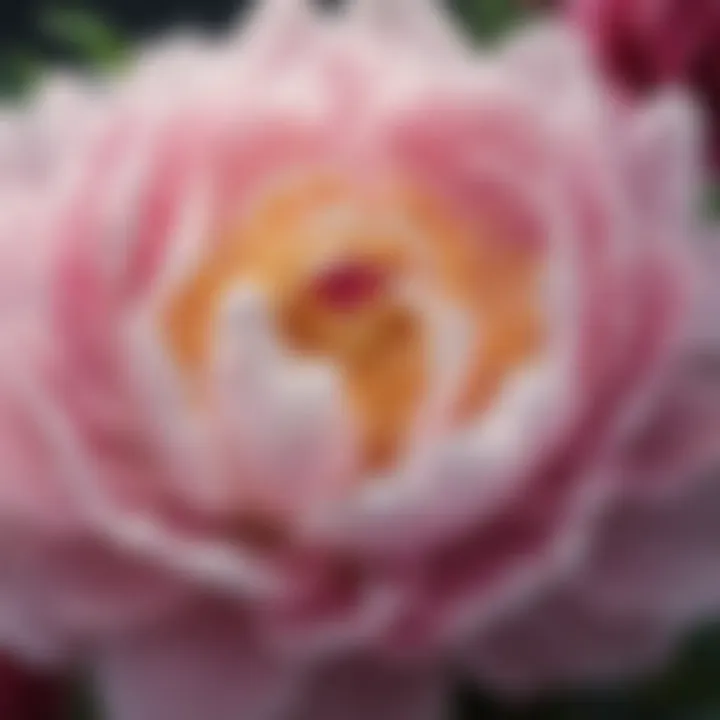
[{"x": 341, "y": 264}]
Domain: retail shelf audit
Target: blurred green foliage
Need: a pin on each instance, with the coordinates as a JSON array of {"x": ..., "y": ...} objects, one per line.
[
  {"x": 712, "y": 200},
  {"x": 69, "y": 37},
  {"x": 86, "y": 36},
  {"x": 18, "y": 70},
  {"x": 490, "y": 19},
  {"x": 82, "y": 706}
]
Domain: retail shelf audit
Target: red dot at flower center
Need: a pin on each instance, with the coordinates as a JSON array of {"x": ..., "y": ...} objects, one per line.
[{"x": 349, "y": 285}]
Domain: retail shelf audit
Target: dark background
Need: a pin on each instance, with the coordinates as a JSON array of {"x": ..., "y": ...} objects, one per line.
[{"x": 21, "y": 20}]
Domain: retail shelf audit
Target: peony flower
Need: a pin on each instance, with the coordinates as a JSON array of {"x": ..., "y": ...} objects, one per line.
[
  {"x": 655, "y": 43},
  {"x": 353, "y": 365}
]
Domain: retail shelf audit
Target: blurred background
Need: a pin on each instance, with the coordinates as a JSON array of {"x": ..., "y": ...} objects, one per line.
[{"x": 35, "y": 34}]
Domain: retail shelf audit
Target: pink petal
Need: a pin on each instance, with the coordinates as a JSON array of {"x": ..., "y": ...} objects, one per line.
[
  {"x": 655, "y": 570},
  {"x": 665, "y": 163},
  {"x": 661, "y": 558},
  {"x": 205, "y": 666},
  {"x": 557, "y": 642},
  {"x": 358, "y": 688}
]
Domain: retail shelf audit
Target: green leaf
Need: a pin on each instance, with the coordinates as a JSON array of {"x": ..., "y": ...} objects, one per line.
[
  {"x": 82, "y": 704},
  {"x": 712, "y": 200},
  {"x": 86, "y": 36},
  {"x": 489, "y": 20},
  {"x": 18, "y": 72}
]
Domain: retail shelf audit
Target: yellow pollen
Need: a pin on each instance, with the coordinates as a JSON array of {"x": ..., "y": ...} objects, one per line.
[{"x": 335, "y": 260}]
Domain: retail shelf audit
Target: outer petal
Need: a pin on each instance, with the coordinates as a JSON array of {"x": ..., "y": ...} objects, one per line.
[
  {"x": 423, "y": 25},
  {"x": 205, "y": 666},
  {"x": 659, "y": 550},
  {"x": 210, "y": 665},
  {"x": 551, "y": 60},
  {"x": 38, "y": 141},
  {"x": 665, "y": 162},
  {"x": 654, "y": 570},
  {"x": 557, "y": 641},
  {"x": 48, "y": 548},
  {"x": 357, "y": 688},
  {"x": 660, "y": 558}
]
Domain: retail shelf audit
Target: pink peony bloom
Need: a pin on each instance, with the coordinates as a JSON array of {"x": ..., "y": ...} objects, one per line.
[
  {"x": 354, "y": 361},
  {"x": 653, "y": 43}
]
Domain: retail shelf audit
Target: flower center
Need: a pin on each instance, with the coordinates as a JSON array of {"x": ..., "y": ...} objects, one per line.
[
  {"x": 348, "y": 285},
  {"x": 349, "y": 272}
]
